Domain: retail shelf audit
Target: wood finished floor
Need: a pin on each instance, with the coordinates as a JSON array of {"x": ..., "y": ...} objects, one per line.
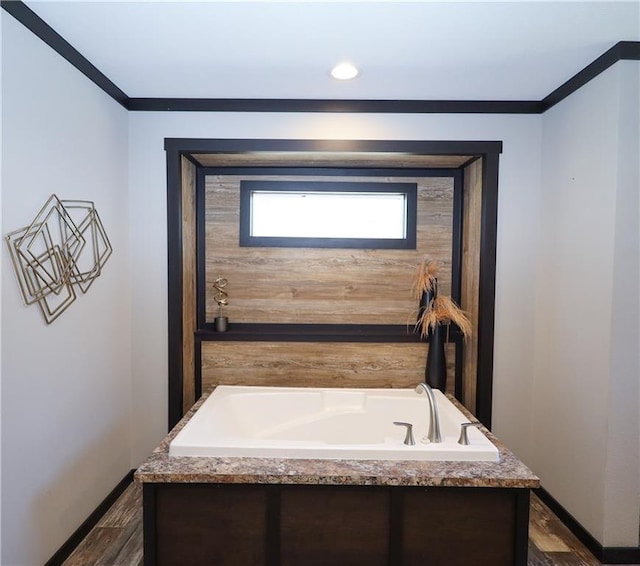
[{"x": 117, "y": 539}]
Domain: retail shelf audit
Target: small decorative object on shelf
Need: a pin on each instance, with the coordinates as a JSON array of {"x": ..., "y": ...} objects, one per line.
[
  {"x": 435, "y": 314},
  {"x": 221, "y": 297}
]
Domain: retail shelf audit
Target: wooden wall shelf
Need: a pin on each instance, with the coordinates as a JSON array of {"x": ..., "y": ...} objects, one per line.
[{"x": 253, "y": 332}]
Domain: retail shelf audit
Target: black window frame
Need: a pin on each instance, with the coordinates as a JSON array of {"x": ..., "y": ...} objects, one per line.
[{"x": 410, "y": 190}]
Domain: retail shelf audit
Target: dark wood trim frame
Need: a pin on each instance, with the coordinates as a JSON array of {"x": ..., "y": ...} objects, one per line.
[
  {"x": 623, "y": 50},
  {"x": 417, "y": 147},
  {"x": 486, "y": 310},
  {"x": 456, "y": 275},
  {"x": 456, "y": 250},
  {"x": 201, "y": 277},
  {"x": 92, "y": 520},
  {"x": 396, "y": 526},
  {"x": 523, "y": 497},
  {"x": 198, "y": 367},
  {"x": 335, "y": 106},
  {"x": 149, "y": 492},
  {"x": 605, "y": 554},
  {"x": 176, "y": 147},
  {"x": 272, "y": 532},
  {"x": 174, "y": 281}
]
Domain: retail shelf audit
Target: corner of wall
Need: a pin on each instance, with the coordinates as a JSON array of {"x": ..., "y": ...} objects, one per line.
[
  {"x": 2, "y": 15},
  {"x": 622, "y": 473},
  {"x": 585, "y": 391}
]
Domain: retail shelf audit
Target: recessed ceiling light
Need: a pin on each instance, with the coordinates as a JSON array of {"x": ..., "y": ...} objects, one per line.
[{"x": 344, "y": 71}]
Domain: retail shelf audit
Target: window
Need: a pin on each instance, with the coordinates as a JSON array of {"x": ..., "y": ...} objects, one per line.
[{"x": 328, "y": 214}]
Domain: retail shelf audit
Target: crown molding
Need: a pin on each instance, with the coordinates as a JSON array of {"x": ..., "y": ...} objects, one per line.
[
  {"x": 418, "y": 147},
  {"x": 339, "y": 106},
  {"x": 34, "y": 23},
  {"x": 623, "y": 50}
]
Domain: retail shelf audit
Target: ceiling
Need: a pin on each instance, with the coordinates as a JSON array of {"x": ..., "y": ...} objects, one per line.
[{"x": 419, "y": 50}]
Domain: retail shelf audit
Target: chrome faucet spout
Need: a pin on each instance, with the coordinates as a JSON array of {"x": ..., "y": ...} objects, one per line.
[{"x": 434, "y": 419}]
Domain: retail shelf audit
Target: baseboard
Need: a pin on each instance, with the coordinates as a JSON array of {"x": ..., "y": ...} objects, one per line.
[
  {"x": 605, "y": 554},
  {"x": 83, "y": 530},
  {"x": 620, "y": 555}
]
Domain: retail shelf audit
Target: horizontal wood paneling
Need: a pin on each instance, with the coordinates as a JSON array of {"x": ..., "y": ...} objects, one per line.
[
  {"x": 330, "y": 286},
  {"x": 317, "y": 364},
  {"x": 330, "y": 159}
]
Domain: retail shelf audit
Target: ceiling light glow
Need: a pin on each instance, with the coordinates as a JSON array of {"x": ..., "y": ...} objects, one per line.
[{"x": 344, "y": 72}]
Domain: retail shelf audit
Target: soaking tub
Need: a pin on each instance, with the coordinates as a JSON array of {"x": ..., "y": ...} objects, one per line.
[{"x": 314, "y": 423}]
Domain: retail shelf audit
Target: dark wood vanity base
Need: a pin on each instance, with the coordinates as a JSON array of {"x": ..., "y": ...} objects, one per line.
[{"x": 291, "y": 525}]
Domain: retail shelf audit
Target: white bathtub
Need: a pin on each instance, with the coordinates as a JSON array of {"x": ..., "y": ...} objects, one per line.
[{"x": 354, "y": 424}]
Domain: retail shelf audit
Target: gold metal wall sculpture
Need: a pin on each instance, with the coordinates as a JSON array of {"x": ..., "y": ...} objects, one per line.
[{"x": 64, "y": 247}]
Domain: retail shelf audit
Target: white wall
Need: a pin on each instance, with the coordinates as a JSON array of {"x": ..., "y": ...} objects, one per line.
[
  {"x": 2, "y": 15},
  {"x": 66, "y": 388},
  {"x": 78, "y": 408},
  {"x": 517, "y": 240},
  {"x": 623, "y": 465},
  {"x": 585, "y": 401}
]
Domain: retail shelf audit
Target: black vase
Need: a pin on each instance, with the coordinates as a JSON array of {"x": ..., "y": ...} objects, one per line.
[{"x": 436, "y": 371}]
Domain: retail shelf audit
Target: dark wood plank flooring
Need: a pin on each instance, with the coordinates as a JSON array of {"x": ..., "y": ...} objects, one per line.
[
  {"x": 551, "y": 543},
  {"x": 117, "y": 539}
]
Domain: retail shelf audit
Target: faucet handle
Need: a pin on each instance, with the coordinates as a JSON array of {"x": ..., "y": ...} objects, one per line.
[
  {"x": 408, "y": 439},
  {"x": 464, "y": 439}
]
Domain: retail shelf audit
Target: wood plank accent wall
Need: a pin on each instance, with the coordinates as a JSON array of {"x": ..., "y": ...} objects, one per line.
[
  {"x": 336, "y": 286},
  {"x": 330, "y": 286},
  {"x": 188, "y": 282},
  {"x": 470, "y": 293},
  {"x": 339, "y": 287},
  {"x": 319, "y": 364}
]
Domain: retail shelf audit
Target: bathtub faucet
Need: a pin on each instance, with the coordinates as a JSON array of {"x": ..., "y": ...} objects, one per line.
[{"x": 434, "y": 419}]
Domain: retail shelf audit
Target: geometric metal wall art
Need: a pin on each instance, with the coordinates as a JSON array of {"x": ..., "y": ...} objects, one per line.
[{"x": 64, "y": 248}]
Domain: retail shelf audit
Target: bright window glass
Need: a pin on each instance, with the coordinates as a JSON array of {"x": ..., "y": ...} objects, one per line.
[{"x": 309, "y": 214}]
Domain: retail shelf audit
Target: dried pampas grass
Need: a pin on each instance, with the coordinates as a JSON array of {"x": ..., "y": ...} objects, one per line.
[
  {"x": 441, "y": 309},
  {"x": 425, "y": 280}
]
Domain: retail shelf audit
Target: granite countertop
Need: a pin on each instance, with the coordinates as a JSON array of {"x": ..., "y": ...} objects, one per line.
[{"x": 162, "y": 468}]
